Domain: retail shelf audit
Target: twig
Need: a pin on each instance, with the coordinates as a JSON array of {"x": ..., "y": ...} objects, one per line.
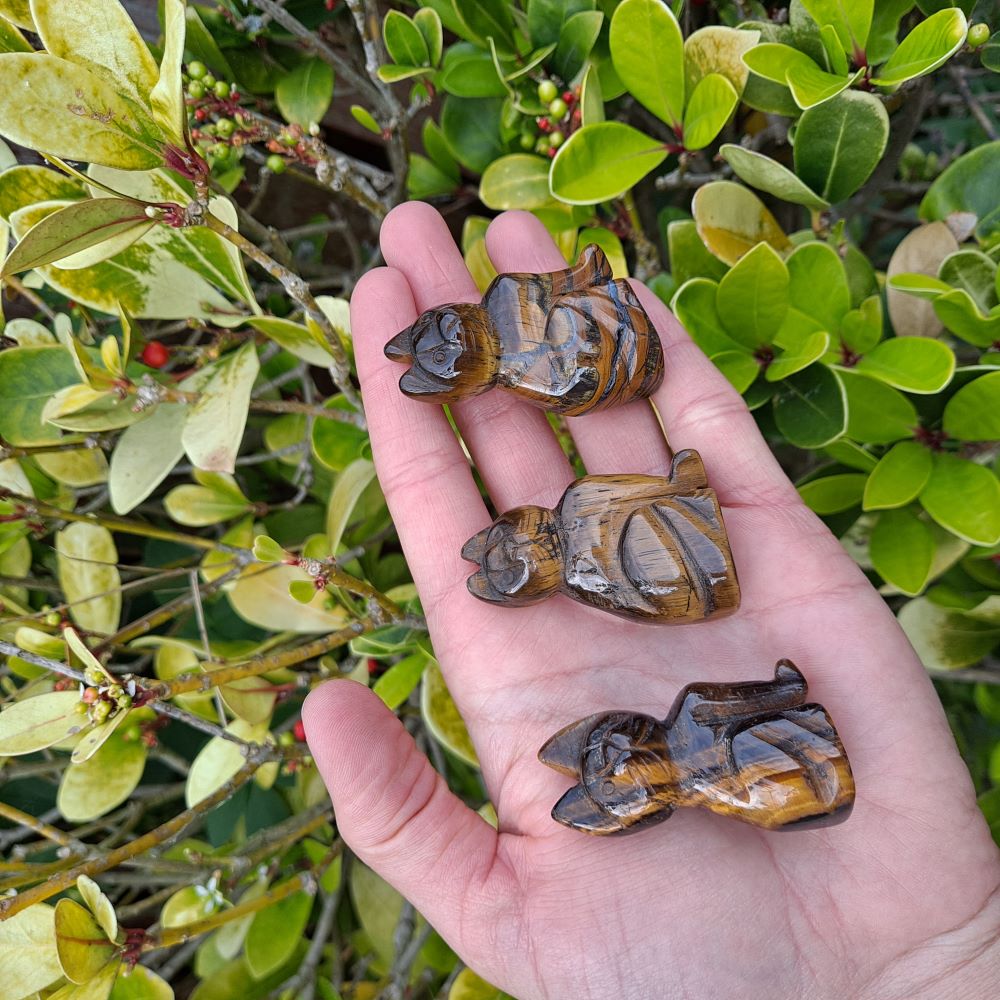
[{"x": 957, "y": 73}]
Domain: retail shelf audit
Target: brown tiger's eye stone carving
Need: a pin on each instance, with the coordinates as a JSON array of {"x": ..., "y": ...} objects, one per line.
[
  {"x": 572, "y": 341},
  {"x": 753, "y": 751},
  {"x": 642, "y": 547}
]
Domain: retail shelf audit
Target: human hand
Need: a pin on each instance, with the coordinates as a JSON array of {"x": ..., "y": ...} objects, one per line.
[{"x": 903, "y": 894}]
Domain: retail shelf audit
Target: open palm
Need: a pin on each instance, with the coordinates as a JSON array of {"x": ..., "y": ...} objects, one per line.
[{"x": 700, "y": 907}]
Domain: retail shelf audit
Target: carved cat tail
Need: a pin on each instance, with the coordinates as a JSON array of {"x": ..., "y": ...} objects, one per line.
[
  {"x": 520, "y": 558},
  {"x": 453, "y": 352}
]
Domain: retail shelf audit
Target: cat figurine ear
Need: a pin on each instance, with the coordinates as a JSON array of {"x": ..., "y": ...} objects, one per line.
[
  {"x": 756, "y": 752},
  {"x": 570, "y": 341},
  {"x": 646, "y": 548}
]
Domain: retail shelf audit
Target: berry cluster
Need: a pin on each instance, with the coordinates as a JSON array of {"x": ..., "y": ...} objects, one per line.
[
  {"x": 100, "y": 698},
  {"x": 220, "y": 127},
  {"x": 295, "y": 143},
  {"x": 549, "y": 131}
]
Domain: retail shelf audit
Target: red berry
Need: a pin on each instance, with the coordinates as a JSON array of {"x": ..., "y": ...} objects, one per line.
[
  {"x": 568, "y": 96},
  {"x": 544, "y": 125},
  {"x": 299, "y": 731},
  {"x": 551, "y": 153},
  {"x": 154, "y": 354},
  {"x": 373, "y": 665}
]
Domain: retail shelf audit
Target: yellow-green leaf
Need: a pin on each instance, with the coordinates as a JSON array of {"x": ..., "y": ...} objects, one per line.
[
  {"x": 275, "y": 933},
  {"x": 68, "y": 111},
  {"x": 717, "y": 49},
  {"x": 83, "y": 947},
  {"x": 708, "y": 109},
  {"x": 442, "y": 718},
  {"x": 28, "y": 947},
  {"x": 106, "y": 780},
  {"x": 732, "y": 220},
  {"x": 86, "y": 560},
  {"x": 219, "y": 760},
  {"x": 39, "y": 722},
  {"x": 167, "y": 96},
  {"x": 99, "y": 905},
  {"x": 347, "y": 490},
  {"x": 95, "y": 737},
  {"x": 98, "y": 988},
  {"x": 18, "y": 12},
  {"x": 141, "y": 984}
]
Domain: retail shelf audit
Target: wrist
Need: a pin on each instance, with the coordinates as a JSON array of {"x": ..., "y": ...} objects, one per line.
[{"x": 960, "y": 963}]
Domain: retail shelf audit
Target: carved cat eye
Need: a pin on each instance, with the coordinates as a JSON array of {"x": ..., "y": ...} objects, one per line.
[
  {"x": 641, "y": 547},
  {"x": 753, "y": 751},
  {"x": 572, "y": 341}
]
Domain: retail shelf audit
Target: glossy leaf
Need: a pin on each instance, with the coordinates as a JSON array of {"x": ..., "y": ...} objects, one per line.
[
  {"x": 959, "y": 313},
  {"x": 471, "y": 127},
  {"x": 768, "y": 175},
  {"x": 739, "y": 367},
  {"x": 576, "y": 40},
  {"x": 491, "y": 19},
  {"x": 796, "y": 352},
  {"x": 469, "y": 986},
  {"x": 304, "y": 95},
  {"x": 547, "y": 17},
  {"x": 215, "y": 498},
  {"x": 397, "y": 683},
  {"x": 36, "y": 723},
  {"x": 877, "y": 413},
  {"x": 214, "y": 427},
  {"x": 913, "y": 364},
  {"x": 428, "y": 23},
  {"x": 336, "y": 443},
  {"x": 600, "y": 162},
  {"x": 901, "y": 548},
  {"x": 74, "y": 113},
  {"x": 519, "y": 180},
  {"x": 166, "y": 100},
  {"x": 919, "y": 252},
  {"x": 28, "y": 944},
  {"x": 695, "y": 305},
  {"x": 975, "y": 273},
  {"x": 276, "y": 932},
  {"x": 810, "y": 407},
  {"x": 442, "y": 717},
  {"x": 732, "y": 220},
  {"x": 404, "y": 41},
  {"x": 29, "y": 378},
  {"x": 850, "y": 19},
  {"x": 469, "y": 71},
  {"x": 927, "y": 46},
  {"x": 145, "y": 454},
  {"x": 833, "y": 494},
  {"x": 347, "y": 491},
  {"x": 717, "y": 49},
  {"x": 839, "y": 143},
  {"x": 973, "y": 413},
  {"x": 899, "y": 477},
  {"x": 82, "y": 946},
  {"x": 689, "y": 257},
  {"x": 219, "y": 760},
  {"x": 964, "y": 498},
  {"x": 752, "y": 298},
  {"x": 710, "y": 105},
  {"x": 141, "y": 984},
  {"x": 818, "y": 285},
  {"x": 966, "y": 185},
  {"x": 946, "y": 638},
  {"x": 105, "y": 781},
  {"x": 648, "y": 53},
  {"x": 86, "y": 559}
]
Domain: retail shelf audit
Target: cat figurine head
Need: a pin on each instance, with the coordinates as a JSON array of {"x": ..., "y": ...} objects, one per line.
[
  {"x": 453, "y": 352},
  {"x": 621, "y": 762},
  {"x": 520, "y": 557}
]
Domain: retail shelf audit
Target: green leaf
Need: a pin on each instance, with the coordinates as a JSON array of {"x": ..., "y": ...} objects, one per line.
[
  {"x": 219, "y": 759},
  {"x": 472, "y": 129},
  {"x": 304, "y": 95},
  {"x": 833, "y": 494},
  {"x": 29, "y": 377},
  {"x": 25, "y": 185},
  {"x": 425, "y": 179},
  {"x": 347, "y": 491},
  {"x": 109, "y": 223},
  {"x": 469, "y": 986},
  {"x": 836, "y": 60},
  {"x": 899, "y": 477},
  {"x": 166, "y": 99},
  {"x": 199, "y": 505},
  {"x": 404, "y": 41},
  {"x": 491, "y": 19},
  {"x": 885, "y": 29},
  {"x": 214, "y": 427},
  {"x": 946, "y": 638},
  {"x": 83, "y": 947},
  {"x": 28, "y": 944},
  {"x": 442, "y": 717},
  {"x": 547, "y": 17},
  {"x": 923, "y": 286},
  {"x": 711, "y": 104},
  {"x": 814, "y": 266},
  {"x": 99, "y": 36},
  {"x": 739, "y": 368},
  {"x": 732, "y": 220},
  {"x": 468, "y": 71},
  {"x": 717, "y": 49},
  {"x": 648, "y": 54},
  {"x": 234, "y": 981},
  {"x": 276, "y": 932},
  {"x": 783, "y": 64},
  {"x": 839, "y": 143},
  {"x": 969, "y": 184},
  {"x": 901, "y": 548},
  {"x": 141, "y": 984},
  {"x": 36, "y": 723},
  {"x": 695, "y": 307},
  {"x": 365, "y": 119},
  {"x": 877, "y": 413},
  {"x": 337, "y": 443},
  {"x": 768, "y": 175},
  {"x": 428, "y": 23},
  {"x": 852, "y": 455},
  {"x": 973, "y": 413},
  {"x": 17, "y": 12},
  {"x": 71, "y": 112},
  {"x": 437, "y": 149},
  {"x": 391, "y": 73},
  {"x": 798, "y": 351},
  {"x": 576, "y": 39},
  {"x": 519, "y": 180},
  {"x": 144, "y": 456},
  {"x": 105, "y": 781},
  {"x": 975, "y": 273},
  {"x": 599, "y": 162},
  {"x": 294, "y": 338},
  {"x": 188, "y": 905},
  {"x": 850, "y": 19},
  {"x": 957, "y": 311},
  {"x": 396, "y": 684},
  {"x": 591, "y": 103},
  {"x": 753, "y": 297},
  {"x": 964, "y": 498},
  {"x": 688, "y": 256},
  {"x": 87, "y": 563},
  {"x": 810, "y": 407},
  {"x": 98, "y": 904},
  {"x": 913, "y": 364},
  {"x": 927, "y": 46}
]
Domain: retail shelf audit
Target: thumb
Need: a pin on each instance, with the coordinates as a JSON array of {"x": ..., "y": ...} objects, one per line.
[{"x": 398, "y": 815}]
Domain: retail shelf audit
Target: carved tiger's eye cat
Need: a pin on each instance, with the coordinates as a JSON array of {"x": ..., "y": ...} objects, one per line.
[
  {"x": 753, "y": 751},
  {"x": 572, "y": 341},
  {"x": 642, "y": 547}
]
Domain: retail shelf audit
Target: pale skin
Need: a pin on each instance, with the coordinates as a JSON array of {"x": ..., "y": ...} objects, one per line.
[{"x": 901, "y": 901}]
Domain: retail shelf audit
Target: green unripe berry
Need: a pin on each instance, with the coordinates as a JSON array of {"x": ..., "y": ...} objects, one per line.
[
  {"x": 542, "y": 144},
  {"x": 225, "y": 127},
  {"x": 196, "y": 70},
  {"x": 53, "y": 618},
  {"x": 219, "y": 151},
  {"x": 527, "y": 142},
  {"x": 557, "y": 109},
  {"x": 81, "y": 708},
  {"x": 276, "y": 163},
  {"x": 208, "y": 80},
  {"x": 196, "y": 90},
  {"x": 100, "y": 711},
  {"x": 221, "y": 89},
  {"x": 93, "y": 676},
  {"x": 547, "y": 91},
  {"x": 556, "y": 139},
  {"x": 979, "y": 35}
]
